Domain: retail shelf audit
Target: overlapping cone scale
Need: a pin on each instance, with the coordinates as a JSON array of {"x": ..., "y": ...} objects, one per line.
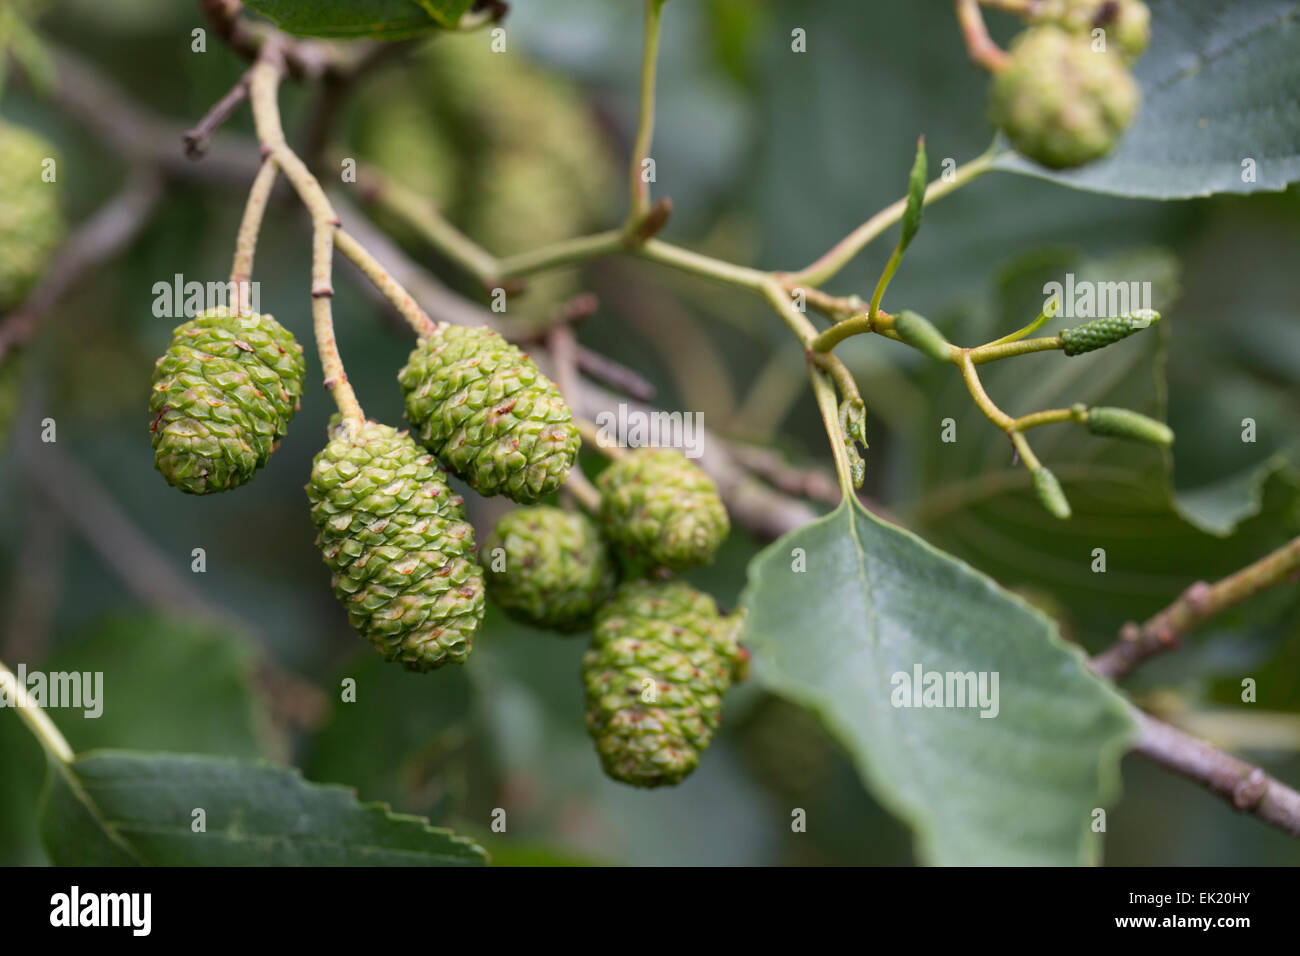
[
  {"x": 396, "y": 539},
  {"x": 483, "y": 407},
  {"x": 661, "y": 509},
  {"x": 224, "y": 393},
  {"x": 661, "y": 659},
  {"x": 548, "y": 567}
]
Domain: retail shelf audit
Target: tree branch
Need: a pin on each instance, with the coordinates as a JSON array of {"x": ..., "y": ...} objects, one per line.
[
  {"x": 1245, "y": 787},
  {"x": 1197, "y": 604}
]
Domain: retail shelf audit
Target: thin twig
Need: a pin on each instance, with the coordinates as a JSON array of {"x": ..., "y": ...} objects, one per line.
[
  {"x": 391, "y": 289},
  {"x": 979, "y": 44},
  {"x": 563, "y": 347},
  {"x": 1245, "y": 787},
  {"x": 1197, "y": 604},
  {"x": 614, "y": 374},
  {"x": 198, "y": 137},
  {"x": 241, "y": 269},
  {"x": 264, "y": 83}
]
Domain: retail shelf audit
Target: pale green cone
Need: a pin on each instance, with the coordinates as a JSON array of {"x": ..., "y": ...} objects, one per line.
[
  {"x": 660, "y": 661},
  {"x": 661, "y": 510},
  {"x": 224, "y": 393},
  {"x": 1059, "y": 102},
  {"x": 483, "y": 407},
  {"x": 396, "y": 539},
  {"x": 548, "y": 567}
]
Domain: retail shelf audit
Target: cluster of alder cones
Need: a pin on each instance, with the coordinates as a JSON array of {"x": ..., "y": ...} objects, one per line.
[{"x": 403, "y": 555}]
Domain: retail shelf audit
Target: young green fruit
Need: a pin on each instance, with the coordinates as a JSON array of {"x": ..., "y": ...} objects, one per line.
[
  {"x": 1051, "y": 494},
  {"x": 661, "y": 510},
  {"x": 1102, "y": 332},
  {"x": 660, "y": 661},
  {"x": 396, "y": 539},
  {"x": 31, "y": 222},
  {"x": 548, "y": 567},
  {"x": 1124, "y": 423},
  {"x": 917, "y": 332},
  {"x": 1126, "y": 23},
  {"x": 1059, "y": 102},
  {"x": 224, "y": 393},
  {"x": 485, "y": 410}
]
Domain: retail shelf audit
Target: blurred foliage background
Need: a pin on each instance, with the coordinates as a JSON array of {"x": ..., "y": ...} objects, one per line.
[{"x": 769, "y": 156}]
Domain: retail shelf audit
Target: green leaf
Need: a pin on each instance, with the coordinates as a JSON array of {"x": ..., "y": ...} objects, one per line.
[
  {"x": 916, "y": 184},
  {"x": 401, "y": 740},
  {"x": 876, "y": 602},
  {"x": 1218, "y": 86},
  {"x": 200, "y": 677},
  {"x": 345, "y": 19},
  {"x": 447, "y": 12},
  {"x": 117, "y": 807}
]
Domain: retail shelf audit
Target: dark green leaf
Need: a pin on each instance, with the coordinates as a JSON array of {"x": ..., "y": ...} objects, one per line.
[
  {"x": 1218, "y": 86},
  {"x": 447, "y": 12},
  {"x": 344, "y": 19},
  {"x": 116, "y": 807},
  {"x": 875, "y": 602},
  {"x": 401, "y": 740}
]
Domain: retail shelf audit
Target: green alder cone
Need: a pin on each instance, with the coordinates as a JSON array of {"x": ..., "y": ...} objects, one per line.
[
  {"x": 224, "y": 393},
  {"x": 1127, "y": 23},
  {"x": 1125, "y": 423},
  {"x": 1050, "y": 493},
  {"x": 660, "y": 661},
  {"x": 1102, "y": 332},
  {"x": 1059, "y": 102},
  {"x": 661, "y": 510},
  {"x": 31, "y": 222},
  {"x": 556, "y": 571},
  {"x": 396, "y": 539},
  {"x": 483, "y": 407}
]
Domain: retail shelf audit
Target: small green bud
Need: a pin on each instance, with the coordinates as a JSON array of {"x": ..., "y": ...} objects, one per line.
[
  {"x": 917, "y": 332},
  {"x": 1050, "y": 494},
  {"x": 1123, "y": 423},
  {"x": 916, "y": 184},
  {"x": 1102, "y": 332}
]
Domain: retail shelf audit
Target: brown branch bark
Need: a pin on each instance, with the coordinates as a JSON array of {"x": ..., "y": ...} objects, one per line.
[
  {"x": 1197, "y": 604},
  {"x": 1245, "y": 787}
]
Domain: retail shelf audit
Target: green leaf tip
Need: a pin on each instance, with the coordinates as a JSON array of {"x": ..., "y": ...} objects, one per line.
[
  {"x": 1102, "y": 332},
  {"x": 918, "y": 332},
  {"x": 1051, "y": 494},
  {"x": 916, "y": 184},
  {"x": 1124, "y": 423}
]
